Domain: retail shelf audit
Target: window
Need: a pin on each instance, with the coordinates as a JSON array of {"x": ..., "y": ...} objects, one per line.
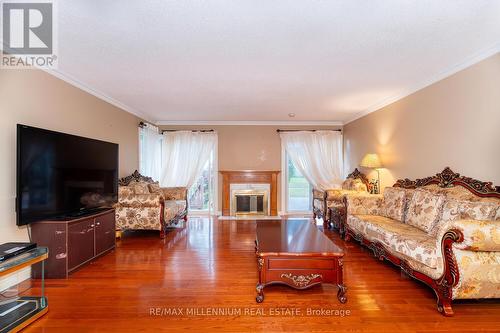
[
  {"x": 202, "y": 194},
  {"x": 298, "y": 189},
  {"x": 150, "y": 145}
]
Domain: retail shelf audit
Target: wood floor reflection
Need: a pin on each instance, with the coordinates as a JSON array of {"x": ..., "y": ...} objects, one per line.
[{"x": 152, "y": 285}]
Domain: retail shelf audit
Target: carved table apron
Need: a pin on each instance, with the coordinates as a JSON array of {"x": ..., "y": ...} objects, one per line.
[{"x": 297, "y": 254}]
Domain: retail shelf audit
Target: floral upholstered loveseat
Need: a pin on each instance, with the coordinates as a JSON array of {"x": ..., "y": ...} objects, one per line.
[
  {"x": 442, "y": 230},
  {"x": 144, "y": 205},
  {"x": 330, "y": 204}
]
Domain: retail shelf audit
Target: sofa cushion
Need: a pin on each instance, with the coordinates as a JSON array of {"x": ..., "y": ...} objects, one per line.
[
  {"x": 139, "y": 218},
  {"x": 451, "y": 210},
  {"x": 401, "y": 239},
  {"x": 470, "y": 210},
  {"x": 393, "y": 206},
  {"x": 425, "y": 209},
  {"x": 354, "y": 185},
  {"x": 140, "y": 200},
  {"x": 125, "y": 190},
  {"x": 139, "y": 187},
  {"x": 369, "y": 204},
  {"x": 154, "y": 187},
  {"x": 478, "y": 210}
]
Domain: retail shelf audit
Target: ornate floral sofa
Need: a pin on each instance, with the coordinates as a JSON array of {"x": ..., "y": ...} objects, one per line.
[
  {"x": 330, "y": 204},
  {"x": 443, "y": 230},
  {"x": 144, "y": 205}
]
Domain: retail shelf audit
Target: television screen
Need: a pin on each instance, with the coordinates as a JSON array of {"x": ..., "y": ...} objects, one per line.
[{"x": 61, "y": 176}]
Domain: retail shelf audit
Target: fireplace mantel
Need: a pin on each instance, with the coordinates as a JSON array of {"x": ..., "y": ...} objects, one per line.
[{"x": 249, "y": 177}]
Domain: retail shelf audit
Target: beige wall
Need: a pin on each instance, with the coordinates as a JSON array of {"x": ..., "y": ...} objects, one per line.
[
  {"x": 35, "y": 98},
  {"x": 249, "y": 148},
  {"x": 454, "y": 122}
]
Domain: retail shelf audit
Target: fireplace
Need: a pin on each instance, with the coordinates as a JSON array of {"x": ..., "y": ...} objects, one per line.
[
  {"x": 249, "y": 192},
  {"x": 249, "y": 199}
]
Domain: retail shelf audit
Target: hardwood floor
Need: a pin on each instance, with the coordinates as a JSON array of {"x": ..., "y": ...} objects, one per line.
[{"x": 210, "y": 265}]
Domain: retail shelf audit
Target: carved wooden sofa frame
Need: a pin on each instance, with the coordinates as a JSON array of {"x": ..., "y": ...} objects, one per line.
[
  {"x": 136, "y": 176},
  {"x": 442, "y": 286}
]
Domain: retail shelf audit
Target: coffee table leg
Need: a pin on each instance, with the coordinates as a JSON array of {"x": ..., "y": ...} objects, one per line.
[
  {"x": 260, "y": 293},
  {"x": 341, "y": 293}
]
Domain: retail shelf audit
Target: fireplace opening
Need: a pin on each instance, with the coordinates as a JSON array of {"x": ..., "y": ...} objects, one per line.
[
  {"x": 249, "y": 199},
  {"x": 250, "y": 204}
]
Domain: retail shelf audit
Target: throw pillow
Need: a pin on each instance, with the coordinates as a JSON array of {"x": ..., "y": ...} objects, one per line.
[
  {"x": 469, "y": 210},
  {"x": 354, "y": 185},
  {"x": 154, "y": 187},
  {"x": 394, "y": 199},
  {"x": 478, "y": 210},
  {"x": 451, "y": 210},
  {"x": 425, "y": 209},
  {"x": 347, "y": 184},
  {"x": 140, "y": 188},
  {"x": 359, "y": 186},
  {"x": 124, "y": 191}
]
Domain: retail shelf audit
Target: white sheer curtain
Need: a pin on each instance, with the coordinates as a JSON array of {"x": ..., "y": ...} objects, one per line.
[
  {"x": 317, "y": 155},
  {"x": 150, "y": 151},
  {"x": 184, "y": 155}
]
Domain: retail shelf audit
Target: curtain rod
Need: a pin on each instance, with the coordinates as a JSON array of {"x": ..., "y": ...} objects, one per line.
[
  {"x": 297, "y": 130},
  {"x": 143, "y": 124},
  {"x": 203, "y": 131}
]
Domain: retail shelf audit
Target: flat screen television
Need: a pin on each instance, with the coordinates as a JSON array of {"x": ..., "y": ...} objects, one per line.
[{"x": 63, "y": 176}]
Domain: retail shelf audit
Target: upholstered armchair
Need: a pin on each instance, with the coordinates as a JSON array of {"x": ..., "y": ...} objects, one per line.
[
  {"x": 330, "y": 204},
  {"x": 144, "y": 205}
]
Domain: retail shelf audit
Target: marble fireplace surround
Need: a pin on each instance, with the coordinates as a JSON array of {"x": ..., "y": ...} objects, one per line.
[
  {"x": 249, "y": 189},
  {"x": 250, "y": 178}
]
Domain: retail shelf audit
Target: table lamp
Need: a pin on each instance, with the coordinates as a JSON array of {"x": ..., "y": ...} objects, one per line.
[{"x": 372, "y": 161}]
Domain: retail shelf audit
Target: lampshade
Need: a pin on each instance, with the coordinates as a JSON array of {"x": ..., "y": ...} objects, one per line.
[{"x": 371, "y": 161}]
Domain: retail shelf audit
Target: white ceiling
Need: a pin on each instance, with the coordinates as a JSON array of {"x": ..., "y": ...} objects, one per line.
[{"x": 256, "y": 60}]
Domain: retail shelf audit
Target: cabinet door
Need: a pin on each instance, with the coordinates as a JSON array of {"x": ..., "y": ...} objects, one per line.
[
  {"x": 104, "y": 232},
  {"x": 80, "y": 242},
  {"x": 53, "y": 236}
]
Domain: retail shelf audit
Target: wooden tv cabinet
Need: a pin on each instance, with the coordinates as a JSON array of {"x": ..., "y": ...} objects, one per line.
[{"x": 73, "y": 243}]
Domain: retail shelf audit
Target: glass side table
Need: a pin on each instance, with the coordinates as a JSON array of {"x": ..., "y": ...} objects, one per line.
[{"x": 18, "y": 312}]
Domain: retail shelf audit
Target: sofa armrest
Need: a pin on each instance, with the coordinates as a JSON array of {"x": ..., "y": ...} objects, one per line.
[
  {"x": 364, "y": 204},
  {"x": 318, "y": 194},
  {"x": 477, "y": 235},
  {"x": 173, "y": 193},
  {"x": 140, "y": 200}
]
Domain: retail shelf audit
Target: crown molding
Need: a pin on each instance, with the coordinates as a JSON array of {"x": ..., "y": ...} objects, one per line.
[
  {"x": 247, "y": 123},
  {"x": 85, "y": 87},
  {"x": 477, "y": 57},
  {"x": 469, "y": 61}
]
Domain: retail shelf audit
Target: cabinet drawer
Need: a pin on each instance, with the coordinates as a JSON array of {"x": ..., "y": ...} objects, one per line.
[{"x": 301, "y": 263}]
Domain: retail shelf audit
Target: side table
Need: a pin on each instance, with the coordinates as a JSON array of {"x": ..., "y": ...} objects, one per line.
[
  {"x": 18, "y": 312},
  {"x": 337, "y": 219}
]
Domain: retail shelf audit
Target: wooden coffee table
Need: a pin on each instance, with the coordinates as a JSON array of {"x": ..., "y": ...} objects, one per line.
[{"x": 294, "y": 252}]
